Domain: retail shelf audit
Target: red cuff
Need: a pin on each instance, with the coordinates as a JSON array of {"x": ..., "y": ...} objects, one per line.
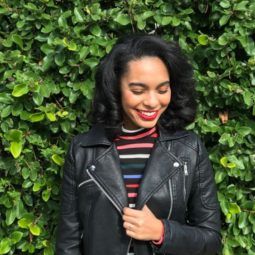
[{"x": 160, "y": 241}]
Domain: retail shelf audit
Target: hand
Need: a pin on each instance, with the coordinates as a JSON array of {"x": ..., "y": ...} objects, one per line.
[{"x": 142, "y": 224}]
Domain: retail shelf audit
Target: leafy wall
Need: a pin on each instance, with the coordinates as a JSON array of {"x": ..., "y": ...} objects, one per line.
[{"x": 48, "y": 53}]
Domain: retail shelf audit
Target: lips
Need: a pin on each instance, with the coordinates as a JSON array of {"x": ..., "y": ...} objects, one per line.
[{"x": 147, "y": 115}]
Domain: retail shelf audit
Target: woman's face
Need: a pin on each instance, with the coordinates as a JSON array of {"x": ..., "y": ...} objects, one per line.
[{"x": 145, "y": 92}]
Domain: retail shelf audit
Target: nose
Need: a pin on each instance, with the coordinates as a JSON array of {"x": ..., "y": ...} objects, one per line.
[{"x": 151, "y": 100}]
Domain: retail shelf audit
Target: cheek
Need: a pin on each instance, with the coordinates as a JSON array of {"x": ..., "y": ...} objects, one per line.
[
  {"x": 166, "y": 100},
  {"x": 128, "y": 99}
]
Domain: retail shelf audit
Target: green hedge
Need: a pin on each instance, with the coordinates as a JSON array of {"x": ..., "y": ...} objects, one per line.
[{"x": 48, "y": 53}]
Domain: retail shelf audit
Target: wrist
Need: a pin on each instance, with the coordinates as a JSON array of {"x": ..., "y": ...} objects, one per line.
[{"x": 160, "y": 237}]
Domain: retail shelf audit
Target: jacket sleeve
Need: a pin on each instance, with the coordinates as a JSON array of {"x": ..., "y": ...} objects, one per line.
[
  {"x": 68, "y": 231},
  {"x": 201, "y": 234}
]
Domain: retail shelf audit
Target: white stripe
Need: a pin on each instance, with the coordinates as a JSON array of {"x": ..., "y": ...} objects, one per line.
[
  {"x": 131, "y": 131},
  {"x": 131, "y": 205},
  {"x": 135, "y": 156},
  {"x": 130, "y": 253}
]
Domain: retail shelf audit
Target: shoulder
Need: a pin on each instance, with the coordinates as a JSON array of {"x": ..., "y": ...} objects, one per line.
[
  {"x": 96, "y": 135},
  {"x": 185, "y": 138}
]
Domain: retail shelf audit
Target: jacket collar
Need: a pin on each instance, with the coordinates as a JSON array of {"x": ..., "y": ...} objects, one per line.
[{"x": 98, "y": 136}]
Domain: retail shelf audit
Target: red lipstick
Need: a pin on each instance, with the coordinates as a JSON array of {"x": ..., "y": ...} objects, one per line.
[{"x": 147, "y": 115}]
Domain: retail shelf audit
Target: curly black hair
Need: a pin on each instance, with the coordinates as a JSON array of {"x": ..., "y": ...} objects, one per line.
[{"x": 107, "y": 108}]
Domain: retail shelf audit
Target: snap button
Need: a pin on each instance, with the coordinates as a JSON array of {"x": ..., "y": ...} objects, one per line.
[
  {"x": 92, "y": 168},
  {"x": 176, "y": 164}
]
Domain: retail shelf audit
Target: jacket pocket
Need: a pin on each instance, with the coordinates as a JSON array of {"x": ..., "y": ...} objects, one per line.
[{"x": 84, "y": 183}]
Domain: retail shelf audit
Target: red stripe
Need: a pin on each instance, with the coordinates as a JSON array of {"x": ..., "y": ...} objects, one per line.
[
  {"x": 138, "y": 136},
  {"x": 132, "y": 194},
  {"x": 132, "y": 185},
  {"x": 154, "y": 135},
  {"x": 135, "y": 145}
]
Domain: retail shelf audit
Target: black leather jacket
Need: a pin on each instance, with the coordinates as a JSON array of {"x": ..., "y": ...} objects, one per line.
[{"x": 178, "y": 187}]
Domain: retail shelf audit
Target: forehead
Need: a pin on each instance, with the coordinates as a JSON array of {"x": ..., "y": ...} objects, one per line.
[{"x": 146, "y": 68}]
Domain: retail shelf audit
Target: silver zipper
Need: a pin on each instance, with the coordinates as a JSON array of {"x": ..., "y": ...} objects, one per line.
[
  {"x": 186, "y": 173},
  {"x": 84, "y": 182},
  {"x": 129, "y": 244},
  {"x": 100, "y": 187},
  {"x": 171, "y": 197}
]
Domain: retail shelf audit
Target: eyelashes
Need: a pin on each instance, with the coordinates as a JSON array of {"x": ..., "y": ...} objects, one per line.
[{"x": 140, "y": 92}]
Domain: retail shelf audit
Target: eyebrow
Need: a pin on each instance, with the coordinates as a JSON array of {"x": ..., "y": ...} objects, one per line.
[{"x": 140, "y": 84}]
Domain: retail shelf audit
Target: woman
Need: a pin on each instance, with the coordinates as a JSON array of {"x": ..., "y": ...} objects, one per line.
[{"x": 138, "y": 182}]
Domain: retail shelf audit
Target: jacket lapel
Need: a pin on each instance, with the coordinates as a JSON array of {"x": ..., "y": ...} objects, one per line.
[
  {"x": 108, "y": 176},
  {"x": 161, "y": 166}
]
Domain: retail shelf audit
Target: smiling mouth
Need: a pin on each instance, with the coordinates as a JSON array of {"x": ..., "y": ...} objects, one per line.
[{"x": 147, "y": 115}]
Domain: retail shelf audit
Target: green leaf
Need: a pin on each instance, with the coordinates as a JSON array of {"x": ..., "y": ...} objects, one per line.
[
  {"x": 225, "y": 4},
  {"x": 20, "y": 210},
  {"x": 37, "y": 98},
  {"x": 224, "y": 161},
  {"x": 227, "y": 250},
  {"x": 46, "y": 195},
  {"x": 231, "y": 165},
  {"x": 219, "y": 176},
  {"x": 248, "y": 98},
  {"x": 16, "y": 236},
  {"x": 242, "y": 221},
  {"x": 31, "y": 6},
  {"x": 224, "y": 20},
  {"x": 10, "y": 216},
  {"x": 35, "y": 229},
  {"x": 175, "y": 21},
  {"x": 96, "y": 30},
  {"x": 83, "y": 53},
  {"x": 59, "y": 59},
  {"x": 242, "y": 6},
  {"x": 223, "y": 40},
  {"x": 78, "y": 14},
  {"x": 244, "y": 131},
  {"x": 37, "y": 186},
  {"x": 122, "y": 19},
  {"x": 36, "y": 117},
  {"x": 226, "y": 139},
  {"x": 16, "y": 149},
  {"x": 91, "y": 62},
  {"x": 51, "y": 116},
  {"x": 57, "y": 159},
  {"x": 14, "y": 135},
  {"x": 5, "y": 246},
  {"x": 25, "y": 221},
  {"x": 25, "y": 172},
  {"x": 6, "y": 111},
  {"x": 18, "y": 40},
  {"x": 5, "y": 98},
  {"x": 20, "y": 90},
  {"x": 166, "y": 20},
  {"x": 203, "y": 39},
  {"x": 47, "y": 49},
  {"x": 234, "y": 208},
  {"x": 147, "y": 14}
]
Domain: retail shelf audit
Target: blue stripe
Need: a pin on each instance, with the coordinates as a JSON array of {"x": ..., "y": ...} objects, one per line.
[
  {"x": 130, "y": 165},
  {"x": 133, "y": 176}
]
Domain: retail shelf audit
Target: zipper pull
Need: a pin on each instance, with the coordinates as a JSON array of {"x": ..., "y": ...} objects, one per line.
[
  {"x": 185, "y": 167},
  {"x": 92, "y": 168}
]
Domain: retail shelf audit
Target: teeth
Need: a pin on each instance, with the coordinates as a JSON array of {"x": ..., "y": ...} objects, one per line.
[{"x": 148, "y": 113}]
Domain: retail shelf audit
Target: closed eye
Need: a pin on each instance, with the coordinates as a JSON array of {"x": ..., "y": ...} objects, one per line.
[
  {"x": 163, "y": 91},
  {"x": 137, "y": 92}
]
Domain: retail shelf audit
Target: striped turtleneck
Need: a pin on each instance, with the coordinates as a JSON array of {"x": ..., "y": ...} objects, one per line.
[{"x": 134, "y": 147}]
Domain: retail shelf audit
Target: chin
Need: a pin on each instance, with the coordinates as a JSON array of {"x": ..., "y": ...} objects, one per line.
[{"x": 150, "y": 124}]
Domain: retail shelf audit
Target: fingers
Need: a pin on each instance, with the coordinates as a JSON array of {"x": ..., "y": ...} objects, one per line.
[
  {"x": 131, "y": 220},
  {"x": 131, "y": 212}
]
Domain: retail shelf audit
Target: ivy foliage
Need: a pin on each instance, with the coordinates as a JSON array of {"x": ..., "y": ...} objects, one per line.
[{"x": 48, "y": 53}]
